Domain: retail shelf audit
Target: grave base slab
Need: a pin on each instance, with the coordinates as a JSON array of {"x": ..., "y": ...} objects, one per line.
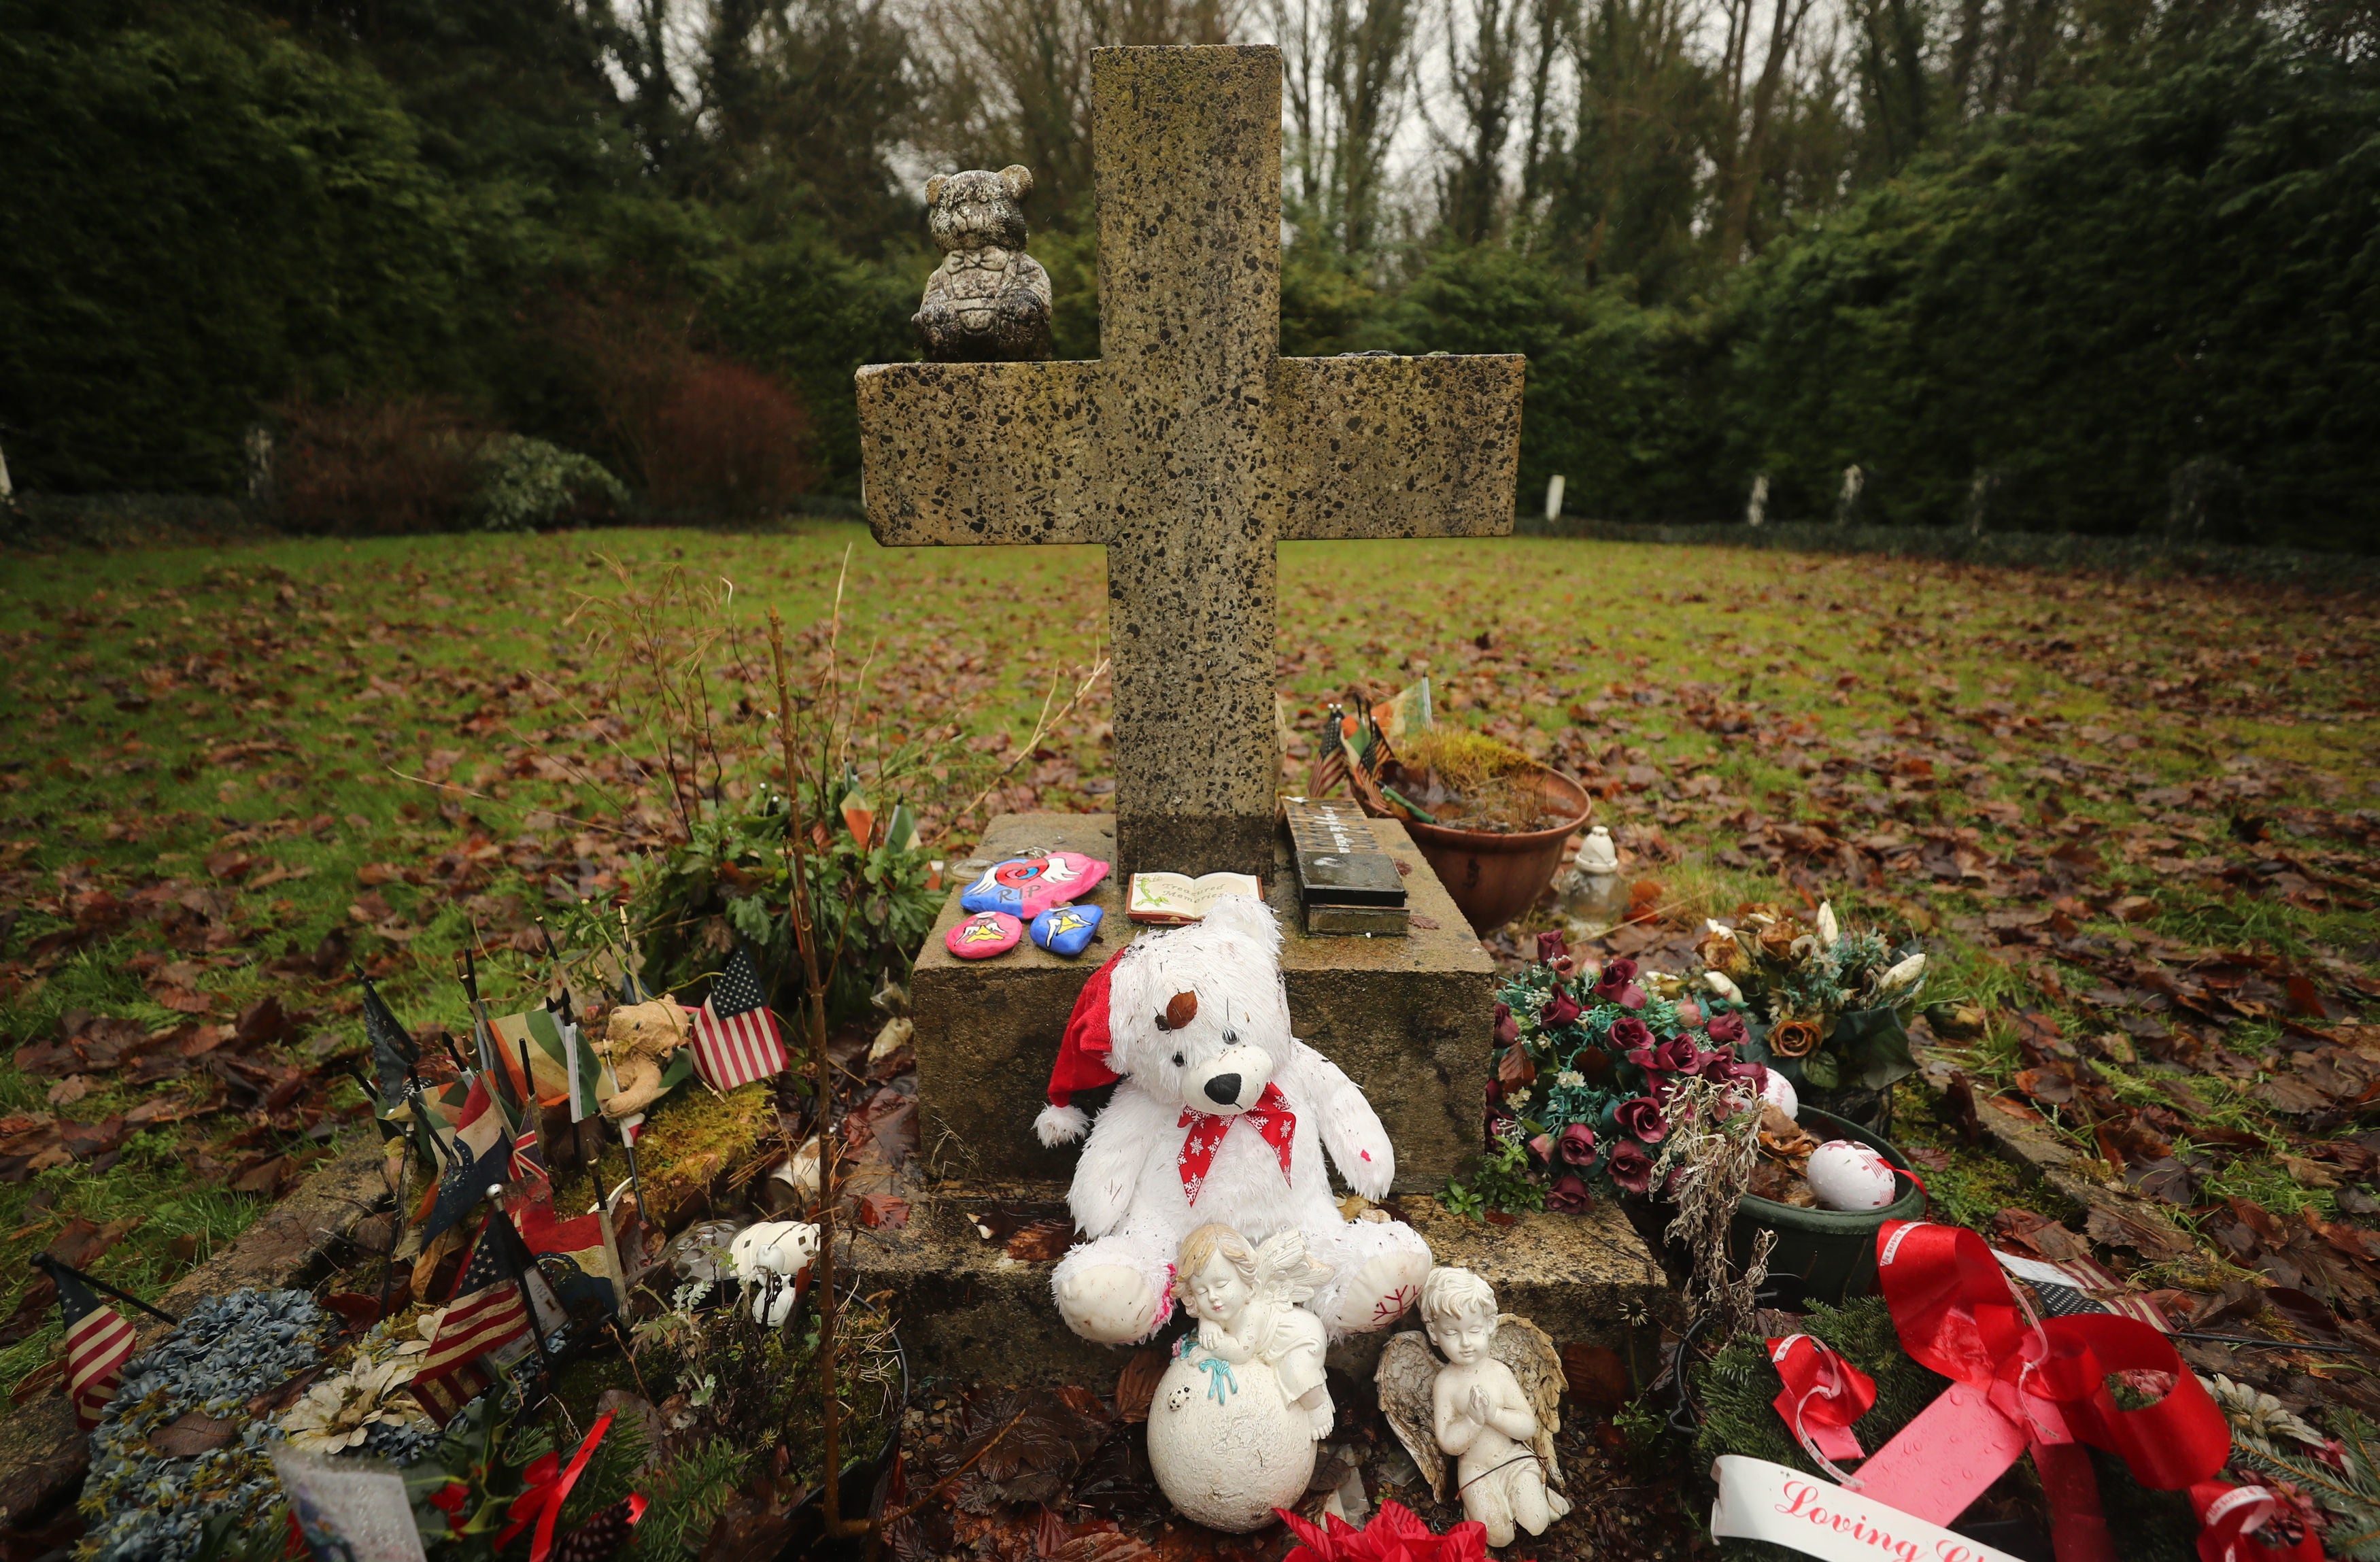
[{"x": 968, "y": 1312}]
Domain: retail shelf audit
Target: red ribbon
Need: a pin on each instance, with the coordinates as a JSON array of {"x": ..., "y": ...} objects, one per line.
[
  {"x": 451, "y": 1500},
  {"x": 1956, "y": 1315},
  {"x": 1823, "y": 1395},
  {"x": 2228, "y": 1515},
  {"x": 541, "y": 1501},
  {"x": 1270, "y": 1117}
]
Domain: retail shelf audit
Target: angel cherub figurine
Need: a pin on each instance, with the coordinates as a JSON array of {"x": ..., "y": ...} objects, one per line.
[
  {"x": 1246, "y": 1303},
  {"x": 1234, "y": 1420},
  {"x": 1492, "y": 1405}
]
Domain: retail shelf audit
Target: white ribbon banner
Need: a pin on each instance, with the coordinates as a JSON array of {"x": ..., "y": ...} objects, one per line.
[{"x": 1761, "y": 1501}]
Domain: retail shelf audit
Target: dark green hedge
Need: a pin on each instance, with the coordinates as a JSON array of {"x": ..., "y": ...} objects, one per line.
[
  {"x": 210, "y": 212},
  {"x": 202, "y": 215},
  {"x": 1625, "y": 402},
  {"x": 2124, "y": 279}
]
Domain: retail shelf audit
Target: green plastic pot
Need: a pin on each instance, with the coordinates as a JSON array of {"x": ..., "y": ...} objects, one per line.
[{"x": 1832, "y": 1252}]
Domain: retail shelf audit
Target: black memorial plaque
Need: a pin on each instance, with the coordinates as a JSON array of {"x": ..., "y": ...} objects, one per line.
[{"x": 1344, "y": 881}]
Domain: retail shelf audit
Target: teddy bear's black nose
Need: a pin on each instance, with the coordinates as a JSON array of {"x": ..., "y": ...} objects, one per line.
[{"x": 1223, "y": 1089}]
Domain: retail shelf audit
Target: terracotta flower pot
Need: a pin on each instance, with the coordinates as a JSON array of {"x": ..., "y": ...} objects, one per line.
[{"x": 1494, "y": 877}]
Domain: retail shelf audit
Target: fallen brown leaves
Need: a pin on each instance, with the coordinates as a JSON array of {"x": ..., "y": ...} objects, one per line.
[{"x": 2061, "y": 774}]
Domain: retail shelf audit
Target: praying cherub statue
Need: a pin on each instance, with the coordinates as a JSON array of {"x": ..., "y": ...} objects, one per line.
[{"x": 1492, "y": 1404}]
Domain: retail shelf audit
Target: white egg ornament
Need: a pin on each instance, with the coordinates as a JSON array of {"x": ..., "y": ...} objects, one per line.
[
  {"x": 1847, "y": 1176},
  {"x": 1778, "y": 1091}
]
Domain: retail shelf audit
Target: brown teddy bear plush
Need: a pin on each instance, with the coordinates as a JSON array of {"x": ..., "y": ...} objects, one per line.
[
  {"x": 989, "y": 301},
  {"x": 638, "y": 1041}
]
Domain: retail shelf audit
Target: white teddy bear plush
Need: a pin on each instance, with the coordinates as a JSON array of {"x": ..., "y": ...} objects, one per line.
[
  {"x": 768, "y": 1259},
  {"x": 1222, "y": 1116}
]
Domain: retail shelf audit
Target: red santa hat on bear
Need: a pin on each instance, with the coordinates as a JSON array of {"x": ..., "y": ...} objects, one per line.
[
  {"x": 1082, "y": 1060},
  {"x": 1232, "y": 955}
]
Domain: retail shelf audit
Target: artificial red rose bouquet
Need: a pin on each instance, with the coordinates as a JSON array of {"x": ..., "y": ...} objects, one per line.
[{"x": 1588, "y": 1061}]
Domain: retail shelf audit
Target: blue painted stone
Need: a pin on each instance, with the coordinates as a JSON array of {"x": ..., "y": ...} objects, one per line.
[
  {"x": 1066, "y": 930},
  {"x": 989, "y": 893}
]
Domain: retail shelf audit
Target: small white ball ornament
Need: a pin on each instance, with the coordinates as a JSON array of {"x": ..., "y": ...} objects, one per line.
[
  {"x": 1778, "y": 1091},
  {"x": 1847, "y": 1176}
]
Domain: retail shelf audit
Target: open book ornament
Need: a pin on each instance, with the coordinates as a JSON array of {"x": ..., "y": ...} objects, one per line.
[
  {"x": 1026, "y": 887},
  {"x": 984, "y": 935},
  {"x": 1169, "y": 899},
  {"x": 1066, "y": 930}
]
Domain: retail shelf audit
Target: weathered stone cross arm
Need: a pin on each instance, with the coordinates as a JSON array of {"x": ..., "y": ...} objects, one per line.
[
  {"x": 1357, "y": 447},
  {"x": 1191, "y": 446}
]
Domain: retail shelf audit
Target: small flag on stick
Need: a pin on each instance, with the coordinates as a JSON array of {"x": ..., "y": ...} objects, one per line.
[
  {"x": 483, "y": 1153},
  {"x": 585, "y": 1071},
  {"x": 489, "y": 1312},
  {"x": 515, "y": 1256},
  {"x": 98, "y": 1344},
  {"x": 528, "y": 1161},
  {"x": 735, "y": 1038},
  {"x": 559, "y": 1060},
  {"x": 578, "y": 1257},
  {"x": 395, "y": 1058}
]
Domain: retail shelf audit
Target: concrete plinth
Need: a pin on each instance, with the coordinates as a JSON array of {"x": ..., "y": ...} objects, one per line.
[
  {"x": 1410, "y": 1019},
  {"x": 967, "y": 1309}
]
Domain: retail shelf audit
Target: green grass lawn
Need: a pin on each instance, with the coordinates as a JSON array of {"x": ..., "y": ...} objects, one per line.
[{"x": 228, "y": 775}]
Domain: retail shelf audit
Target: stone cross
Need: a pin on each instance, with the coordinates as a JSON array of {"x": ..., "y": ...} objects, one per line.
[{"x": 1191, "y": 446}]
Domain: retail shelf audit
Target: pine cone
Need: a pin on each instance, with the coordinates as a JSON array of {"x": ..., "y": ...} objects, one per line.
[{"x": 600, "y": 1538}]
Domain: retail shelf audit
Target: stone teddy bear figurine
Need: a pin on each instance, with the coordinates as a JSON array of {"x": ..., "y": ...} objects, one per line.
[
  {"x": 638, "y": 1041},
  {"x": 989, "y": 301},
  {"x": 1222, "y": 1116}
]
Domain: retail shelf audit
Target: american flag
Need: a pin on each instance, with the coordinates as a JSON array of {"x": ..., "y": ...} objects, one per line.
[
  {"x": 2080, "y": 1285},
  {"x": 736, "y": 1038},
  {"x": 449, "y": 1391},
  {"x": 486, "y": 1315},
  {"x": 98, "y": 1344}
]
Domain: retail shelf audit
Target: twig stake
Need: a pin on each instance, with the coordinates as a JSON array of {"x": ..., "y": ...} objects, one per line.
[{"x": 814, "y": 990}]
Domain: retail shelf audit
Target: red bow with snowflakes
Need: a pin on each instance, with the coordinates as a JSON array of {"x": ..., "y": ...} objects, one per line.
[{"x": 1270, "y": 1117}]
